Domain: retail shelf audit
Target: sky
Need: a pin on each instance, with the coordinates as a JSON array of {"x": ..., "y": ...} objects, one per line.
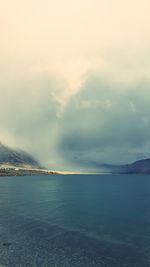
[{"x": 74, "y": 80}]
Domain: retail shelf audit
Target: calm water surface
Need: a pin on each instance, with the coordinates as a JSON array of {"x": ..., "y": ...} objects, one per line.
[{"x": 75, "y": 220}]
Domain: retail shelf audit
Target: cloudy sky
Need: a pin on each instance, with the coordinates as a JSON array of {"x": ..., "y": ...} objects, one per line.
[{"x": 74, "y": 80}]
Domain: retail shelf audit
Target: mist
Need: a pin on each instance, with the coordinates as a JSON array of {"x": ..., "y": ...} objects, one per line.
[{"x": 74, "y": 80}]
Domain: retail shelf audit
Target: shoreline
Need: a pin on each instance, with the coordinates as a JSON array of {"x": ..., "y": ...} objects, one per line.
[{"x": 20, "y": 171}]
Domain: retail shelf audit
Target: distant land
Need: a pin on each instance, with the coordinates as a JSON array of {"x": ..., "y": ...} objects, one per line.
[
  {"x": 15, "y": 162},
  {"x": 140, "y": 166},
  {"x": 18, "y": 158}
]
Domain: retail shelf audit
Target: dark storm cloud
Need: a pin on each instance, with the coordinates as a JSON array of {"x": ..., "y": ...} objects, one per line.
[{"x": 107, "y": 123}]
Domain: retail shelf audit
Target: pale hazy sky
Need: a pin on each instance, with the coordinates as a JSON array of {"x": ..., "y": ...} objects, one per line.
[
  {"x": 68, "y": 38},
  {"x": 49, "y": 50}
]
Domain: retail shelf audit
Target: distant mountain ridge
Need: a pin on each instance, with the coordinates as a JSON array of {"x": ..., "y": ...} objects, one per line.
[
  {"x": 140, "y": 166},
  {"x": 16, "y": 158}
]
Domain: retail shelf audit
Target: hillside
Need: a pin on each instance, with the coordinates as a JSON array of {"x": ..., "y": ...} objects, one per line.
[
  {"x": 140, "y": 166},
  {"x": 16, "y": 158}
]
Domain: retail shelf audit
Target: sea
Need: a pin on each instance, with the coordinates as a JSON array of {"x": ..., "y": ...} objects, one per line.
[{"x": 75, "y": 221}]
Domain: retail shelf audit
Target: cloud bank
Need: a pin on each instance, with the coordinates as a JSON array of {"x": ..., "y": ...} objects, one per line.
[
  {"x": 74, "y": 80},
  {"x": 106, "y": 123}
]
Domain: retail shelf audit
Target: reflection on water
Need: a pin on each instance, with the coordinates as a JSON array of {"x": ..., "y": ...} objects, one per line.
[{"x": 75, "y": 220}]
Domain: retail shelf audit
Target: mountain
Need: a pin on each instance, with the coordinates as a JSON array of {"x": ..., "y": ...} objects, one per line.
[
  {"x": 140, "y": 166},
  {"x": 16, "y": 158}
]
